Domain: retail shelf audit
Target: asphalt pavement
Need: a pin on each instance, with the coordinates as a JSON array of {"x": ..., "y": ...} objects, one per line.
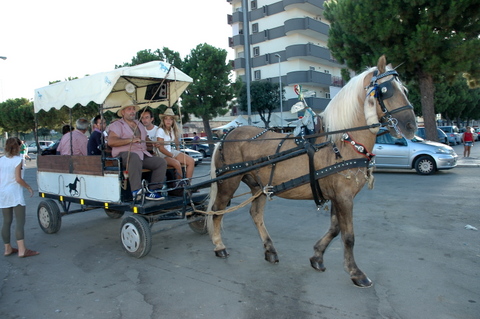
[{"x": 412, "y": 240}]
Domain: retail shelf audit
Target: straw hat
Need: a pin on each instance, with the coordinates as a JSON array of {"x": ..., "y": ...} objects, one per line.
[
  {"x": 169, "y": 112},
  {"x": 126, "y": 104}
]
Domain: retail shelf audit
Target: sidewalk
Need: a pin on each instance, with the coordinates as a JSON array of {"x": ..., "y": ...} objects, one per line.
[{"x": 473, "y": 160}]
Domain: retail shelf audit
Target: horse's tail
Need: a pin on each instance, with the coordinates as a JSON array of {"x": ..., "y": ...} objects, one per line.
[{"x": 213, "y": 190}]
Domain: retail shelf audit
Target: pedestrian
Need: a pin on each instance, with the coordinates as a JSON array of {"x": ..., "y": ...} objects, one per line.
[
  {"x": 468, "y": 141},
  {"x": 196, "y": 138},
  {"x": 24, "y": 153},
  {"x": 11, "y": 198}
]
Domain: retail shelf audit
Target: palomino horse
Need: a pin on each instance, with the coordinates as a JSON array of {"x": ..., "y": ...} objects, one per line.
[{"x": 375, "y": 96}]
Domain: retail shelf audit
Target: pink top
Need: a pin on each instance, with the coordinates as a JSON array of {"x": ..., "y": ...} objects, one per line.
[
  {"x": 122, "y": 130},
  {"x": 79, "y": 144}
]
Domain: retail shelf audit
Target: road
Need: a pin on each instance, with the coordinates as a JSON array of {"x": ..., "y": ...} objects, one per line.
[{"x": 411, "y": 241}]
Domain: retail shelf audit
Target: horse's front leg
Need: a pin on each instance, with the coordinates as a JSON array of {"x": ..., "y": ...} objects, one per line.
[
  {"x": 319, "y": 249},
  {"x": 256, "y": 211},
  {"x": 344, "y": 212}
]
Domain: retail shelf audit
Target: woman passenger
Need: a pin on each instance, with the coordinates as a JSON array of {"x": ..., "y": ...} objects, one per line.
[{"x": 166, "y": 134}]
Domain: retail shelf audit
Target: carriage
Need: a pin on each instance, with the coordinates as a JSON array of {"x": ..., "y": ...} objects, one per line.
[
  {"x": 329, "y": 160},
  {"x": 98, "y": 181}
]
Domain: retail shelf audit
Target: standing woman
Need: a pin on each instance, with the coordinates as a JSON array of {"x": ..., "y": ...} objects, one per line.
[
  {"x": 166, "y": 134},
  {"x": 11, "y": 198},
  {"x": 468, "y": 141}
]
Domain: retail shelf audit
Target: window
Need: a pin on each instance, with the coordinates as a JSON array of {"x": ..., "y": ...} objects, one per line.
[
  {"x": 255, "y": 27},
  {"x": 326, "y": 71},
  {"x": 327, "y": 95},
  {"x": 256, "y": 51},
  {"x": 253, "y": 4},
  {"x": 312, "y": 68},
  {"x": 257, "y": 75}
]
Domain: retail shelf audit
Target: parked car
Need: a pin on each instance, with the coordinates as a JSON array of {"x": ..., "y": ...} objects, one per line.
[
  {"x": 197, "y": 156},
  {"x": 477, "y": 133},
  {"x": 32, "y": 147},
  {"x": 51, "y": 149},
  {"x": 442, "y": 137},
  {"x": 426, "y": 157},
  {"x": 454, "y": 136},
  {"x": 203, "y": 148}
]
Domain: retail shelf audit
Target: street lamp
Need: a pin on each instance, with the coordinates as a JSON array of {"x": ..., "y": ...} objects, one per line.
[{"x": 280, "y": 89}]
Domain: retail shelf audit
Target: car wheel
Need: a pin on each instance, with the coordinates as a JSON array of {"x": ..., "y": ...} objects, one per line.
[
  {"x": 425, "y": 165},
  {"x": 204, "y": 154}
]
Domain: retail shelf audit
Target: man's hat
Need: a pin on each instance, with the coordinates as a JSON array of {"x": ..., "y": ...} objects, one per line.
[{"x": 126, "y": 104}]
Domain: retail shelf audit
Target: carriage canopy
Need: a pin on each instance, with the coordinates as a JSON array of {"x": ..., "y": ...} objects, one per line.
[{"x": 149, "y": 84}]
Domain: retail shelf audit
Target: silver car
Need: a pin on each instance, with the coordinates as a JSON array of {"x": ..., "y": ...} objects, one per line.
[{"x": 426, "y": 157}]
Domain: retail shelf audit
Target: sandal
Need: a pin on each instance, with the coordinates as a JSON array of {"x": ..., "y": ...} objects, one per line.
[
  {"x": 14, "y": 251},
  {"x": 29, "y": 253}
]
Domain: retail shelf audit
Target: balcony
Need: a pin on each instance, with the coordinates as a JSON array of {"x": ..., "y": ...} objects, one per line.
[
  {"x": 309, "y": 77},
  {"x": 311, "y": 52},
  {"x": 307, "y": 26},
  {"x": 312, "y": 6}
]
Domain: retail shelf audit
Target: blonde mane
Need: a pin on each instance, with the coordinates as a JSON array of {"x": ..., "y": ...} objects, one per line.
[{"x": 343, "y": 111}]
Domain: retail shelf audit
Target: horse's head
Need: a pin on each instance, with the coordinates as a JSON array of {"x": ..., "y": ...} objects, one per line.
[{"x": 387, "y": 101}]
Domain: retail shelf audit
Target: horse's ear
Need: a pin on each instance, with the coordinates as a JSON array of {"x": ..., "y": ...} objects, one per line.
[
  {"x": 370, "y": 111},
  {"x": 382, "y": 62}
]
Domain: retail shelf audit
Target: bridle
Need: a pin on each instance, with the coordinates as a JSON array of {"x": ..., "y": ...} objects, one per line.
[{"x": 384, "y": 91}]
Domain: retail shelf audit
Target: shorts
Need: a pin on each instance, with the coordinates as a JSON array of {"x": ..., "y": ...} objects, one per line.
[
  {"x": 468, "y": 143},
  {"x": 160, "y": 154}
]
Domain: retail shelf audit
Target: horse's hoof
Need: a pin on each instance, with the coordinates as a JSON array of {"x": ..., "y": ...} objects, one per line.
[
  {"x": 363, "y": 282},
  {"x": 221, "y": 253},
  {"x": 317, "y": 264},
  {"x": 271, "y": 257}
]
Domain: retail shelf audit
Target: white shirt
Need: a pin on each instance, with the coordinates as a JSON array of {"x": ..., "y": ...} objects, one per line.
[
  {"x": 167, "y": 138},
  {"x": 152, "y": 134},
  {"x": 11, "y": 192}
]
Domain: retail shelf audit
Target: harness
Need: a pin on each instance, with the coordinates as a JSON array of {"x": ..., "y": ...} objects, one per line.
[
  {"x": 305, "y": 145},
  {"x": 384, "y": 91}
]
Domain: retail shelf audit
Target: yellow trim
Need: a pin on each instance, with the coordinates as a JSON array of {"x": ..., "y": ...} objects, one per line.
[
  {"x": 82, "y": 202},
  {"x": 61, "y": 198},
  {"x": 135, "y": 209},
  {"x": 106, "y": 205},
  {"x": 42, "y": 195}
]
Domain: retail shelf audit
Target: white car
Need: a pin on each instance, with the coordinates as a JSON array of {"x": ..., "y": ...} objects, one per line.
[
  {"x": 196, "y": 155},
  {"x": 32, "y": 147}
]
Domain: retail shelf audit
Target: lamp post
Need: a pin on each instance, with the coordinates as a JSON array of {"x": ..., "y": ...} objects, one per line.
[{"x": 280, "y": 89}]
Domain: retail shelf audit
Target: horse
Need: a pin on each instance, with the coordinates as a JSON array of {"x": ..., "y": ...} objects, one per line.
[{"x": 369, "y": 100}]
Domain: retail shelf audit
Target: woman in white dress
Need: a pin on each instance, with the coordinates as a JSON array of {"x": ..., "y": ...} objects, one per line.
[
  {"x": 11, "y": 198},
  {"x": 167, "y": 133}
]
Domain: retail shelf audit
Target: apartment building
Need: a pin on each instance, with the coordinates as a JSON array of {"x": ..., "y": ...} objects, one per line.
[{"x": 287, "y": 42}]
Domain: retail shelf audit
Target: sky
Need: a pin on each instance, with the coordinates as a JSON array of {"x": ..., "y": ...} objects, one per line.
[{"x": 50, "y": 40}]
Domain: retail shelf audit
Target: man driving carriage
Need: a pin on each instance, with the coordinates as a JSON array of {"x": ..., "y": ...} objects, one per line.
[{"x": 127, "y": 138}]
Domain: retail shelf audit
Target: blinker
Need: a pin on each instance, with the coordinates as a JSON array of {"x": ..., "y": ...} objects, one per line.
[{"x": 385, "y": 89}]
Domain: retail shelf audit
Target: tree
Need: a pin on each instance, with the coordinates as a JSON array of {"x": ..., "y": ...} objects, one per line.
[
  {"x": 208, "y": 95},
  {"x": 147, "y": 55},
  {"x": 16, "y": 115},
  {"x": 432, "y": 38},
  {"x": 264, "y": 99}
]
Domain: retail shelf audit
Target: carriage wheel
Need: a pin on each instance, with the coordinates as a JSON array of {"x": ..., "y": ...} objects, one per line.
[
  {"x": 136, "y": 236},
  {"x": 114, "y": 214},
  {"x": 425, "y": 165},
  {"x": 49, "y": 216},
  {"x": 198, "y": 224}
]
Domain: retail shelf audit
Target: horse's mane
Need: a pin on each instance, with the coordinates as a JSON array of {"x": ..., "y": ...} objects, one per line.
[{"x": 345, "y": 110}]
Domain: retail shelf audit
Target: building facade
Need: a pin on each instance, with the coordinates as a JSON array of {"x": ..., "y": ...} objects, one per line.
[{"x": 287, "y": 42}]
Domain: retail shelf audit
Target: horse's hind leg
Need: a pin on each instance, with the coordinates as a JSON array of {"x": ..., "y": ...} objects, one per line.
[
  {"x": 256, "y": 211},
  {"x": 319, "y": 249}
]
